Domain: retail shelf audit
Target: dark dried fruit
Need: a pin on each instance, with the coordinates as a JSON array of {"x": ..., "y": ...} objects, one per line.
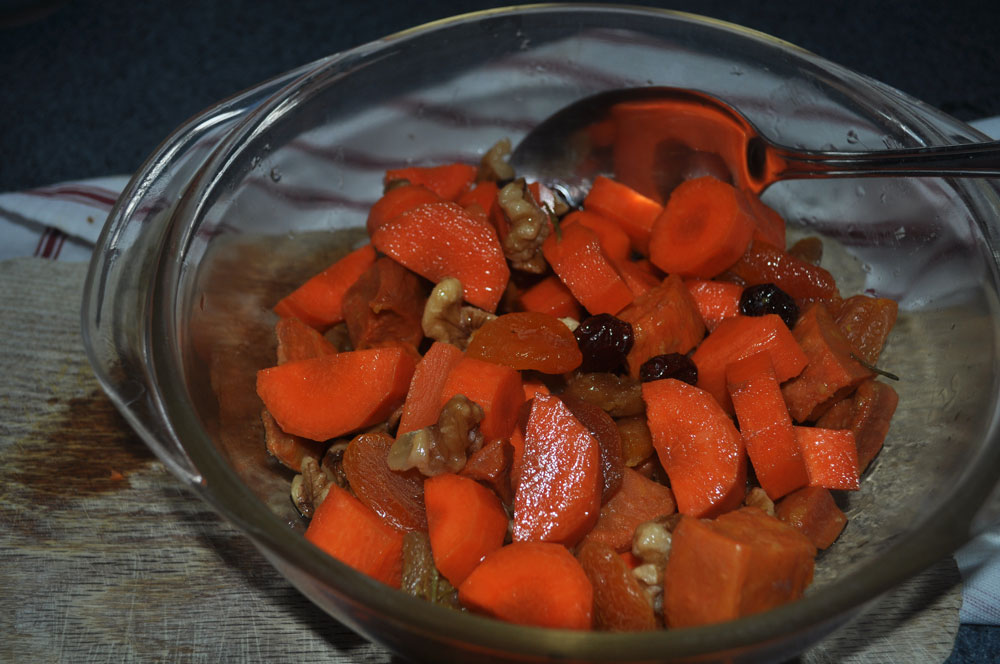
[
  {"x": 669, "y": 365},
  {"x": 765, "y": 299},
  {"x": 604, "y": 341},
  {"x": 420, "y": 577}
]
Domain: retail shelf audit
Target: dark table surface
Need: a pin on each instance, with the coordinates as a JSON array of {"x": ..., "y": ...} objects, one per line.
[{"x": 90, "y": 87}]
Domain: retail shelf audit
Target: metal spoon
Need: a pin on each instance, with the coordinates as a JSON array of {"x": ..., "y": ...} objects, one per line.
[{"x": 553, "y": 153}]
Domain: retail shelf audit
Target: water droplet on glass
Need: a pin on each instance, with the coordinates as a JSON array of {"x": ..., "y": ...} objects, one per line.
[
  {"x": 852, "y": 136},
  {"x": 882, "y": 198},
  {"x": 275, "y": 175},
  {"x": 255, "y": 161},
  {"x": 860, "y": 191},
  {"x": 900, "y": 233}
]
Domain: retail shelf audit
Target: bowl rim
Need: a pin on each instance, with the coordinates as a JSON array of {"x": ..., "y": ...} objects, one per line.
[{"x": 271, "y": 534}]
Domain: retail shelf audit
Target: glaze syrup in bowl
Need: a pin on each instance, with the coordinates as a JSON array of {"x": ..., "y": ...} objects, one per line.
[{"x": 258, "y": 192}]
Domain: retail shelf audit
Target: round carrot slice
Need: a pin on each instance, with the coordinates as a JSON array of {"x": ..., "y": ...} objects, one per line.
[{"x": 705, "y": 227}]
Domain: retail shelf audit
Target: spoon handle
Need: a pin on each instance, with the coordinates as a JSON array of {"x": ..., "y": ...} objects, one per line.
[{"x": 968, "y": 160}]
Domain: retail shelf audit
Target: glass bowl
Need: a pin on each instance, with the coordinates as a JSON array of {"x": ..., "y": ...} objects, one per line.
[{"x": 258, "y": 192}]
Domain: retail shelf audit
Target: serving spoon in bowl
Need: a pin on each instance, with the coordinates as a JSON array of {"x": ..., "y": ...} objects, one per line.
[{"x": 656, "y": 125}]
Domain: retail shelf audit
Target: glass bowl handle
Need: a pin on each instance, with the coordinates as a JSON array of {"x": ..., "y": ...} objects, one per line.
[{"x": 117, "y": 291}]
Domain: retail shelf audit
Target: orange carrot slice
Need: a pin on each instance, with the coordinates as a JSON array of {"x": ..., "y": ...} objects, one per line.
[
  {"x": 533, "y": 386},
  {"x": 716, "y": 300},
  {"x": 765, "y": 425},
  {"x": 449, "y": 181},
  {"x": 353, "y": 534},
  {"x": 831, "y": 373},
  {"x": 531, "y": 583},
  {"x": 665, "y": 319},
  {"x": 481, "y": 202},
  {"x": 438, "y": 240},
  {"x": 423, "y": 404},
  {"x": 705, "y": 227},
  {"x": 868, "y": 413},
  {"x": 465, "y": 522},
  {"x": 640, "y": 276},
  {"x": 298, "y": 341},
  {"x": 558, "y": 495},
  {"x": 332, "y": 395},
  {"x": 830, "y": 456},
  {"x": 769, "y": 226},
  {"x": 612, "y": 238},
  {"x": 638, "y": 500},
  {"x": 813, "y": 512},
  {"x": 550, "y": 296},
  {"x": 576, "y": 256},
  {"x": 318, "y": 301},
  {"x": 633, "y": 212},
  {"x": 396, "y": 201},
  {"x": 742, "y": 563},
  {"x": 698, "y": 446},
  {"x": 740, "y": 337},
  {"x": 495, "y": 388}
]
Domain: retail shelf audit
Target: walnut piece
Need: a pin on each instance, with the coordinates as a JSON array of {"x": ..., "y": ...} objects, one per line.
[
  {"x": 311, "y": 486},
  {"x": 529, "y": 226},
  {"x": 651, "y": 544},
  {"x": 442, "y": 447},
  {"x": 446, "y": 319},
  {"x": 493, "y": 166},
  {"x": 757, "y": 497}
]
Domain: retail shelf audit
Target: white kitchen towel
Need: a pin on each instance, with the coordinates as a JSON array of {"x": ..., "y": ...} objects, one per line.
[{"x": 59, "y": 222}]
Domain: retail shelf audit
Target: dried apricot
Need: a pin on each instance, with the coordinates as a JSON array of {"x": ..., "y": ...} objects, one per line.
[
  {"x": 398, "y": 497},
  {"x": 527, "y": 340},
  {"x": 620, "y": 605}
]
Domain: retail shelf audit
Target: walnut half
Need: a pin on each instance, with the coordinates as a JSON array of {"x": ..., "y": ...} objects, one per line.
[
  {"x": 446, "y": 319},
  {"x": 442, "y": 447},
  {"x": 529, "y": 226},
  {"x": 311, "y": 486}
]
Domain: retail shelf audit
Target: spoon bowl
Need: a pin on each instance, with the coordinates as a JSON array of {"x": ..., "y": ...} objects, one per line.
[{"x": 679, "y": 133}]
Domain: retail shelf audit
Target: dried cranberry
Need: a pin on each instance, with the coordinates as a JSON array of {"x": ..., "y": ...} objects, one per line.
[
  {"x": 670, "y": 365},
  {"x": 604, "y": 341},
  {"x": 769, "y": 299}
]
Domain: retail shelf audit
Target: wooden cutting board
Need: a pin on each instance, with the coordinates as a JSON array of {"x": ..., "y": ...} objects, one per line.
[{"x": 105, "y": 556}]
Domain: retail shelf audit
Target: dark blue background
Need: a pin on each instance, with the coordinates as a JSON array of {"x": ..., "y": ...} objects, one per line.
[{"x": 90, "y": 88}]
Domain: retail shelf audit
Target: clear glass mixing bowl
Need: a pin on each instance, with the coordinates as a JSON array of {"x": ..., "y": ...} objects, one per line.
[{"x": 263, "y": 189}]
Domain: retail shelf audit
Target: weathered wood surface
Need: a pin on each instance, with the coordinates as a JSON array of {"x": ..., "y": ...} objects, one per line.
[{"x": 104, "y": 556}]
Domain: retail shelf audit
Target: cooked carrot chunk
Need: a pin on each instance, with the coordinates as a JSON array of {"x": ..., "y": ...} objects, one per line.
[
  {"x": 831, "y": 371},
  {"x": 698, "y": 445},
  {"x": 813, "y": 512},
  {"x": 665, "y": 319},
  {"x": 742, "y": 563}
]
